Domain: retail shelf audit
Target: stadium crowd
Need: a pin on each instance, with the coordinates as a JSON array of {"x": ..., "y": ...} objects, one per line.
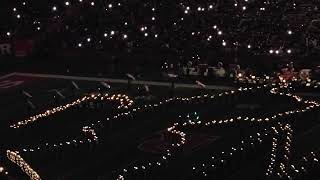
[{"x": 168, "y": 31}]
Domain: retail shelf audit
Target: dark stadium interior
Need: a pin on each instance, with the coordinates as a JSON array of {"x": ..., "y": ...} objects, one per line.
[{"x": 159, "y": 90}]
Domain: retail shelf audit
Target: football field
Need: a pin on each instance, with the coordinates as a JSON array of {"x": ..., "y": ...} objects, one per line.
[{"x": 122, "y": 131}]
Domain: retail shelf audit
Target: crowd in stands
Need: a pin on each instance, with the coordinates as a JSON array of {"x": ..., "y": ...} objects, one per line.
[
  {"x": 172, "y": 29},
  {"x": 236, "y": 73}
]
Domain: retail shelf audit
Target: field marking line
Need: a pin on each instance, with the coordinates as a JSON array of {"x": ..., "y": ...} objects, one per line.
[
  {"x": 122, "y": 81},
  {"x": 7, "y": 75}
]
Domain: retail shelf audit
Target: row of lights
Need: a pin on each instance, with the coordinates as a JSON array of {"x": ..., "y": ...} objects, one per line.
[
  {"x": 88, "y": 132},
  {"x": 55, "y": 146},
  {"x": 148, "y": 166},
  {"x": 15, "y": 157},
  {"x": 124, "y": 100}
]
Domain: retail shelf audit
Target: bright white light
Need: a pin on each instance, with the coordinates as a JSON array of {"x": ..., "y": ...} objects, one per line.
[
  {"x": 92, "y": 3},
  {"x": 18, "y": 16},
  {"x": 142, "y": 29},
  {"x": 289, "y": 32},
  {"x": 14, "y": 9},
  {"x": 224, "y": 43},
  {"x": 125, "y": 36},
  {"x": 110, "y": 5},
  {"x": 112, "y": 33},
  {"x": 220, "y": 32},
  {"x": 249, "y": 46},
  {"x": 38, "y": 28},
  {"x": 289, "y": 51},
  {"x": 153, "y": 18},
  {"x": 244, "y": 8},
  {"x": 210, "y": 7},
  {"x": 67, "y": 3},
  {"x": 277, "y": 51},
  {"x": 80, "y": 0},
  {"x": 88, "y": 39},
  {"x": 156, "y": 35},
  {"x": 235, "y": 4},
  {"x": 145, "y": 34},
  {"x": 199, "y": 8},
  {"x": 153, "y": 9},
  {"x": 54, "y": 8},
  {"x": 188, "y": 8},
  {"x": 215, "y": 27},
  {"x": 79, "y": 45},
  {"x": 24, "y": 3},
  {"x": 271, "y": 51},
  {"x": 186, "y": 12},
  {"x": 8, "y": 33},
  {"x": 125, "y": 23}
]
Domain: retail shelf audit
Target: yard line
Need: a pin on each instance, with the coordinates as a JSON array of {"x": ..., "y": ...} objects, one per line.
[
  {"x": 122, "y": 81},
  {"x": 7, "y": 75}
]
